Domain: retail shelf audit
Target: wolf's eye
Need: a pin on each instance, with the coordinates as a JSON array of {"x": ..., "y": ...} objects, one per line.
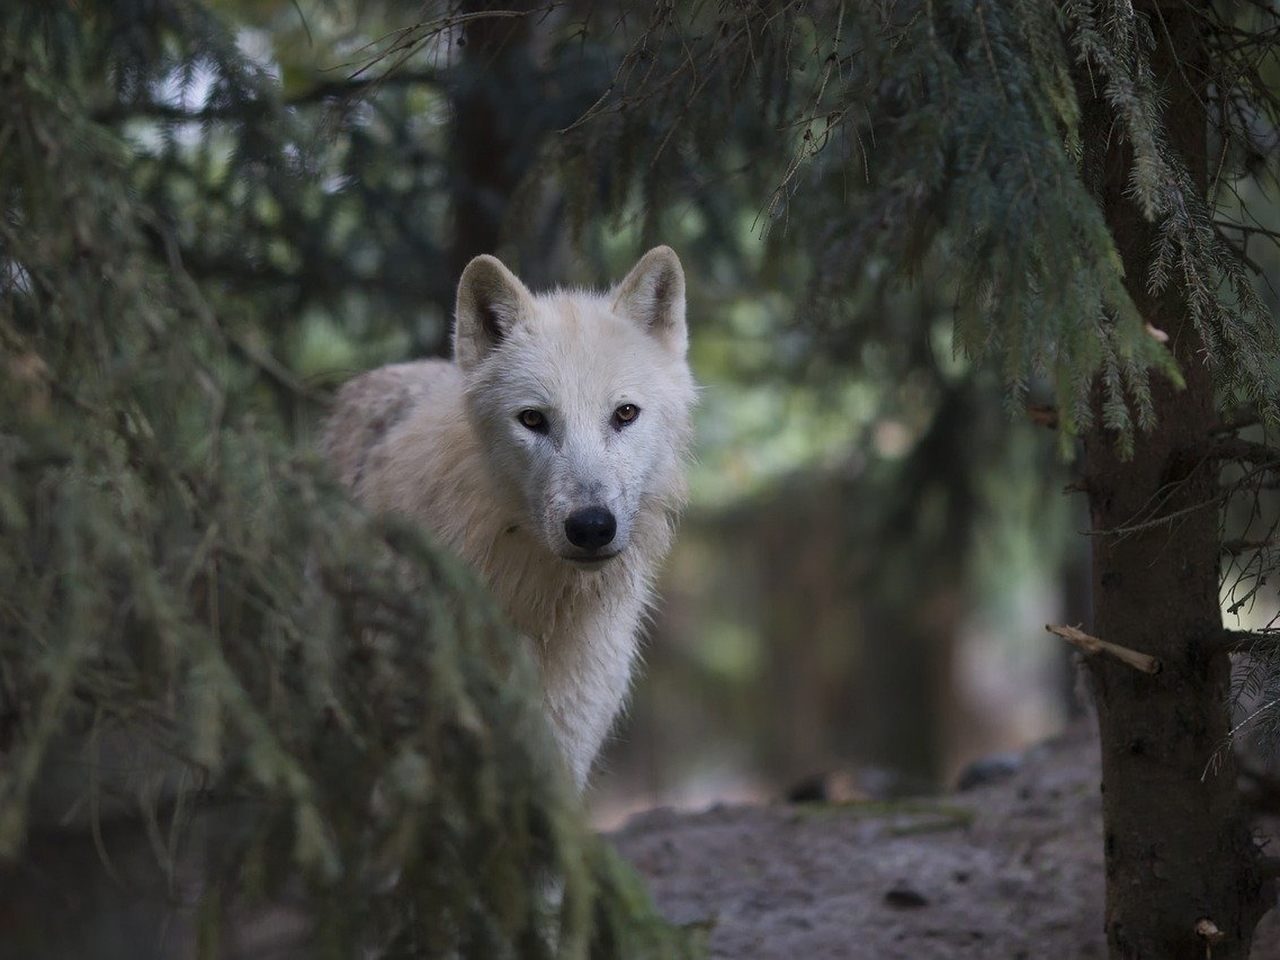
[
  {"x": 625, "y": 414},
  {"x": 533, "y": 420}
]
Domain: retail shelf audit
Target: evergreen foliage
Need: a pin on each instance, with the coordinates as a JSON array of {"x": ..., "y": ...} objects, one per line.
[
  {"x": 182, "y": 585},
  {"x": 941, "y": 143}
]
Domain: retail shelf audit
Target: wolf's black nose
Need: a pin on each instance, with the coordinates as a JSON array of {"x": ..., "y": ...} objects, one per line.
[{"x": 591, "y": 528}]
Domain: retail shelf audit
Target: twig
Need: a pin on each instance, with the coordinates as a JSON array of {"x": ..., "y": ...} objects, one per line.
[
  {"x": 1208, "y": 931},
  {"x": 1242, "y": 418},
  {"x": 1235, "y": 448},
  {"x": 1241, "y": 641},
  {"x": 1238, "y": 546},
  {"x": 1091, "y": 645}
]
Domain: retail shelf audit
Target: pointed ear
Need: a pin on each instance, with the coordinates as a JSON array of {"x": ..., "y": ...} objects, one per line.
[
  {"x": 652, "y": 295},
  {"x": 491, "y": 301}
]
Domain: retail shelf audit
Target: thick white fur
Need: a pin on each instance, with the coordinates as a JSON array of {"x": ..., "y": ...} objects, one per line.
[{"x": 442, "y": 443}]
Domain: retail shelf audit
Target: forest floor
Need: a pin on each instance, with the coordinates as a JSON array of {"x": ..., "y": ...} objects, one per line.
[{"x": 1012, "y": 869}]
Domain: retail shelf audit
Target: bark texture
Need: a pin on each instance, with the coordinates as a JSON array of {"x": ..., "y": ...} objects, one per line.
[
  {"x": 487, "y": 147},
  {"x": 1178, "y": 850}
]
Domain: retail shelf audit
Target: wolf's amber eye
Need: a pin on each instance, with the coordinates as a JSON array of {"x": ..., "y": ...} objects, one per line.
[
  {"x": 625, "y": 414},
  {"x": 532, "y": 420}
]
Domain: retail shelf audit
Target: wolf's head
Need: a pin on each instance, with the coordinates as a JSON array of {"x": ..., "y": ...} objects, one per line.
[{"x": 582, "y": 401}]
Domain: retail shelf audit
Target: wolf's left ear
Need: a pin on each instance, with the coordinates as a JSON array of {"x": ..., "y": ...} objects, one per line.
[{"x": 652, "y": 295}]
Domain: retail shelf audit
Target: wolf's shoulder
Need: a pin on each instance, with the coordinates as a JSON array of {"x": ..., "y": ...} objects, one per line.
[
  {"x": 393, "y": 387},
  {"x": 370, "y": 405}
]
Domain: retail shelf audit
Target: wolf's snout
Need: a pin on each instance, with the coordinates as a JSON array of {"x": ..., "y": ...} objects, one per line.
[{"x": 591, "y": 528}]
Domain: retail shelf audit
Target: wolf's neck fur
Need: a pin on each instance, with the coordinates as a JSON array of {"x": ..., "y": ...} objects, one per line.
[{"x": 583, "y": 625}]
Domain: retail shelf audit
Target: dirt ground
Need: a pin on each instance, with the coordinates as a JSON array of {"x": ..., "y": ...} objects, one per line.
[{"x": 1008, "y": 870}]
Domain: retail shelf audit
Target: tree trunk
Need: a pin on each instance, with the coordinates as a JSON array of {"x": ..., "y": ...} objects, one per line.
[
  {"x": 485, "y": 150},
  {"x": 1178, "y": 849}
]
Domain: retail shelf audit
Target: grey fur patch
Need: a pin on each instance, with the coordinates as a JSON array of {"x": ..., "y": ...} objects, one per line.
[{"x": 368, "y": 408}]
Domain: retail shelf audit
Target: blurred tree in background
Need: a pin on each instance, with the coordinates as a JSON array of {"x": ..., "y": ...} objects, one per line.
[{"x": 214, "y": 211}]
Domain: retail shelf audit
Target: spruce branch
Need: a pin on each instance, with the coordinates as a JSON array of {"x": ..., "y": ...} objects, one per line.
[
  {"x": 1239, "y": 641},
  {"x": 173, "y": 577}
]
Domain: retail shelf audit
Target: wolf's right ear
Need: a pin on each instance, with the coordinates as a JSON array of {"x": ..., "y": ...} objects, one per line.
[
  {"x": 652, "y": 295},
  {"x": 491, "y": 300}
]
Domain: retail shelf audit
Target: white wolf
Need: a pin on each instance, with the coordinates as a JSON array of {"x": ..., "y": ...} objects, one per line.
[{"x": 549, "y": 455}]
